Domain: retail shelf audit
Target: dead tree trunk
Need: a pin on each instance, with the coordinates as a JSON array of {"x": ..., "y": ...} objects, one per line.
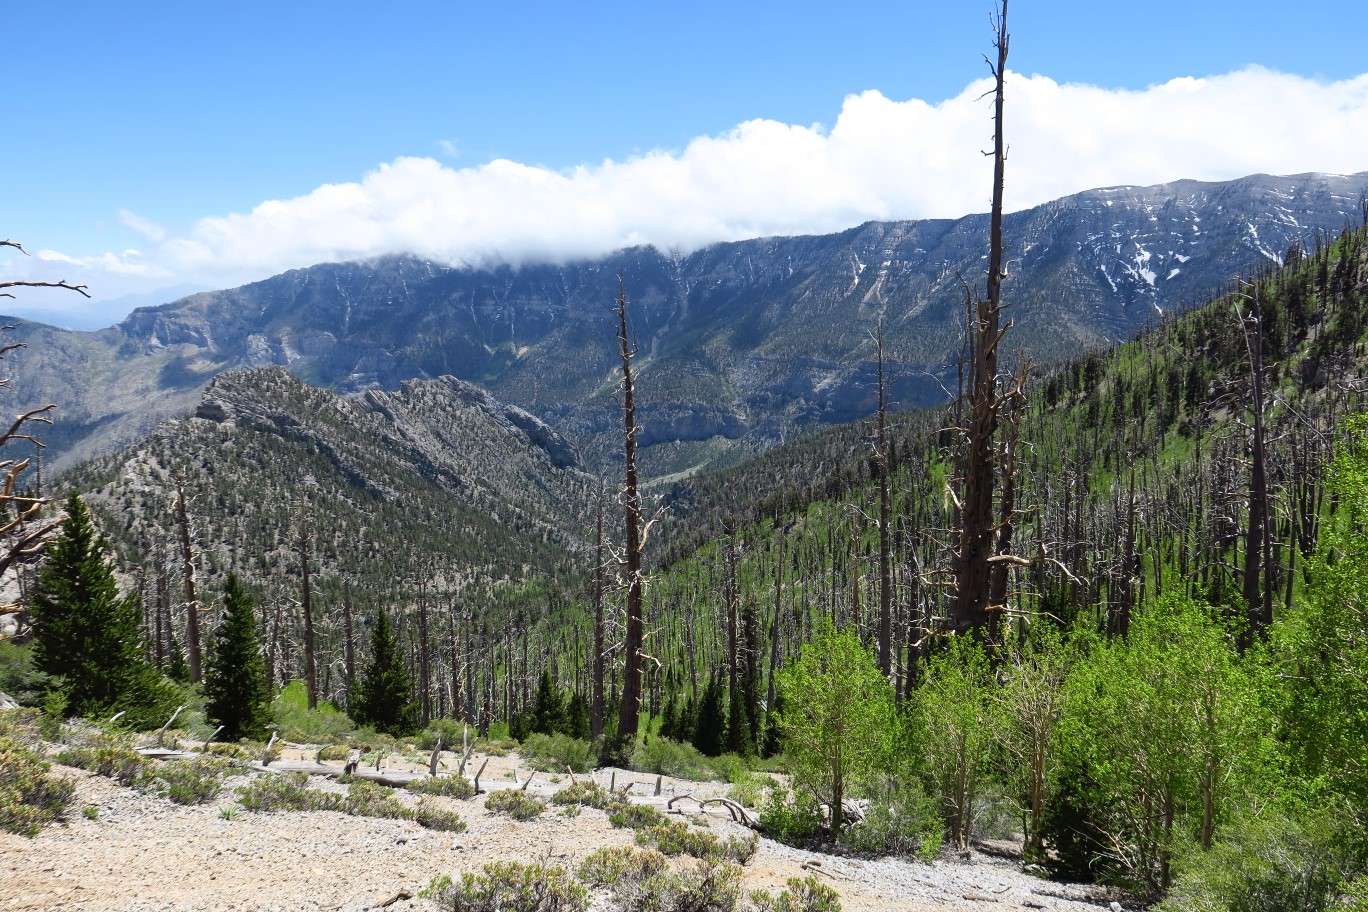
[
  {"x": 192, "y": 631},
  {"x": 306, "y": 606},
  {"x": 633, "y": 535},
  {"x": 596, "y": 708},
  {"x": 970, "y": 612}
]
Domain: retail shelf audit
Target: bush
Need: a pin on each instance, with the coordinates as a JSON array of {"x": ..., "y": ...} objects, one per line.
[
  {"x": 708, "y": 886},
  {"x": 429, "y": 816},
  {"x": 369, "y": 799},
  {"x": 611, "y": 865},
  {"x": 29, "y": 797},
  {"x": 555, "y": 753},
  {"x": 676, "y": 838},
  {"x": 807, "y": 894},
  {"x": 185, "y": 782},
  {"x": 107, "y": 755},
  {"x": 516, "y": 804},
  {"x": 299, "y": 723},
  {"x": 270, "y": 792},
  {"x": 671, "y": 758},
  {"x": 587, "y": 794},
  {"x": 449, "y": 731},
  {"x": 634, "y": 816},
  {"x": 444, "y": 786},
  {"x": 511, "y": 887},
  {"x": 794, "y": 820}
]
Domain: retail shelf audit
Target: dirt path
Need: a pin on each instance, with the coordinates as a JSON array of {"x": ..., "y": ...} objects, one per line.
[{"x": 140, "y": 853}]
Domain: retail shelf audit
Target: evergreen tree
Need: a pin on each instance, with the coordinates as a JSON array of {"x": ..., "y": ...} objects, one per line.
[
  {"x": 88, "y": 634},
  {"x": 384, "y": 695},
  {"x": 237, "y": 694},
  {"x": 547, "y": 715},
  {"x": 711, "y": 722}
]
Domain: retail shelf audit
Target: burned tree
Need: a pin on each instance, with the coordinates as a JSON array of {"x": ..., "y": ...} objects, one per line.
[
  {"x": 633, "y": 535},
  {"x": 972, "y": 610}
]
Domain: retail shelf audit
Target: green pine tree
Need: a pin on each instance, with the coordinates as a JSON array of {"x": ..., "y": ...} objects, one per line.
[
  {"x": 384, "y": 695},
  {"x": 89, "y": 635},
  {"x": 548, "y": 714},
  {"x": 710, "y": 724},
  {"x": 237, "y": 694}
]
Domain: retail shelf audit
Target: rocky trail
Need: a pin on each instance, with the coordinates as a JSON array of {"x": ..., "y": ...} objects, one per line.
[{"x": 123, "y": 850}]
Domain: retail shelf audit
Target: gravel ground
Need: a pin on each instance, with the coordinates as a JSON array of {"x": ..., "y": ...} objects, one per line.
[{"x": 142, "y": 853}]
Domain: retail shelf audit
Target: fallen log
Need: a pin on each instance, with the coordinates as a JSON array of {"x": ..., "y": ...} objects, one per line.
[
  {"x": 395, "y": 778},
  {"x": 739, "y": 813}
]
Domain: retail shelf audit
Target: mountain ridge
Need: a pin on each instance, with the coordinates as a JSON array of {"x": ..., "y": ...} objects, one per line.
[{"x": 741, "y": 344}]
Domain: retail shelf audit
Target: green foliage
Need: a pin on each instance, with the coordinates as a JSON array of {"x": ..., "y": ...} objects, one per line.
[
  {"x": 237, "y": 695},
  {"x": 20, "y": 679},
  {"x": 446, "y": 786},
  {"x": 792, "y": 818},
  {"x": 613, "y": 864},
  {"x": 29, "y": 796},
  {"x": 89, "y": 635},
  {"x": 665, "y": 757},
  {"x": 449, "y": 732},
  {"x": 105, "y": 754},
  {"x": 297, "y": 722},
  {"x": 1269, "y": 861},
  {"x": 954, "y": 721},
  {"x": 270, "y": 792},
  {"x": 705, "y": 886},
  {"x": 710, "y": 720},
  {"x": 384, "y": 695},
  {"x": 806, "y": 894},
  {"x": 678, "y": 838},
  {"x": 511, "y": 887},
  {"x": 838, "y": 718},
  {"x": 635, "y": 816},
  {"x": 586, "y": 794},
  {"x": 557, "y": 752},
  {"x": 185, "y": 782},
  {"x": 514, "y": 803},
  {"x": 429, "y": 816},
  {"x": 1327, "y": 646},
  {"x": 1163, "y": 732}
]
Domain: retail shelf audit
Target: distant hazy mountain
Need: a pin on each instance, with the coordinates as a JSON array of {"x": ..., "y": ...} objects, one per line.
[{"x": 741, "y": 344}]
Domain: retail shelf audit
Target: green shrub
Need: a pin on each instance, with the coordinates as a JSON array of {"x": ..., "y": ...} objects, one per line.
[
  {"x": 270, "y": 792},
  {"x": 901, "y": 821},
  {"x": 791, "y": 819},
  {"x": 29, "y": 797},
  {"x": 516, "y": 804},
  {"x": 107, "y": 755},
  {"x": 370, "y": 799},
  {"x": 451, "y": 732},
  {"x": 445, "y": 786},
  {"x": 707, "y": 886},
  {"x": 671, "y": 758},
  {"x": 586, "y": 794},
  {"x": 185, "y": 782},
  {"x": 634, "y": 816},
  {"x": 613, "y": 864},
  {"x": 677, "y": 838},
  {"x": 555, "y": 753},
  {"x": 21, "y": 726},
  {"x": 806, "y": 894},
  {"x": 511, "y": 887},
  {"x": 429, "y": 816},
  {"x": 297, "y": 722}
]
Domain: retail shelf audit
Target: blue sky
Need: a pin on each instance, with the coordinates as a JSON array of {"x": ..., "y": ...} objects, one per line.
[{"x": 156, "y": 144}]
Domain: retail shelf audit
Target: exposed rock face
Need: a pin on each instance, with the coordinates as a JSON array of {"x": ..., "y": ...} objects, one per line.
[{"x": 748, "y": 340}]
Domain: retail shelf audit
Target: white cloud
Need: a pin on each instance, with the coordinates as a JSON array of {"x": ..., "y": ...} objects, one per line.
[
  {"x": 146, "y": 227},
  {"x": 880, "y": 159}
]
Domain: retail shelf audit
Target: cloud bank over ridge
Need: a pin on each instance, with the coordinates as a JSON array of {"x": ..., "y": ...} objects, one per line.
[{"x": 880, "y": 159}]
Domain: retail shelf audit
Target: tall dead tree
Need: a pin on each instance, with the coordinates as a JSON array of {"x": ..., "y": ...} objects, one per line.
[
  {"x": 306, "y": 608},
  {"x": 885, "y": 634},
  {"x": 633, "y": 534},
  {"x": 193, "y": 658},
  {"x": 596, "y": 683},
  {"x": 971, "y": 610}
]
